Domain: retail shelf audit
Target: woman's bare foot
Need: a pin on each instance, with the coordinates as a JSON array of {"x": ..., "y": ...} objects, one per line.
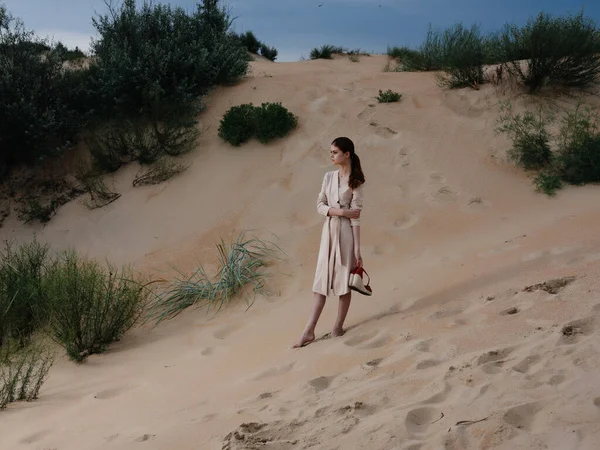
[
  {"x": 306, "y": 339},
  {"x": 337, "y": 332}
]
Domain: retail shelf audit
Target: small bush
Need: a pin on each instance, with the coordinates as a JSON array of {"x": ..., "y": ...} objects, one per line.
[
  {"x": 273, "y": 121},
  {"x": 162, "y": 170},
  {"x": 90, "y": 306},
  {"x": 249, "y": 40},
  {"x": 388, "y": 96},
  {"x": 100, "y": 195},
  {"x": 579, "y": 147},
  {"x": 531, "y": 141},
  {"x": 548, "y": 182},
  {"x": 268, "y": 52},
  {"x": 22, "y": 374},
  {"x": 559, "y": 50},
  {"x": 462, "y": 57},
  {"x": 325, "y": 52},
  {"x": 22, "y": 297},
  {"x": 240, "y": 264},
  {"x": 238, "y": 124}
]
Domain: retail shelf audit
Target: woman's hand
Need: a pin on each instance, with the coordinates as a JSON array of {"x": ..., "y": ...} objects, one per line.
[
  {"x": 358, "y": 258},
  {"x": 351, "y": 213}
]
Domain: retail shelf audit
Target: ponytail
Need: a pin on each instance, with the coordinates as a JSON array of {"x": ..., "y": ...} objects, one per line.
[{"x": 357, "y": 177}]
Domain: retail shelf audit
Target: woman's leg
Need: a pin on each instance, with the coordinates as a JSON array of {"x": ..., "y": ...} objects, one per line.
[
  {"x": 309, "y": 332},
  {"x": 343, "y": 307}
]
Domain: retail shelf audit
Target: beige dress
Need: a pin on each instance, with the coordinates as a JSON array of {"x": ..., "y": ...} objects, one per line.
[{"x": 336, "y": 252}]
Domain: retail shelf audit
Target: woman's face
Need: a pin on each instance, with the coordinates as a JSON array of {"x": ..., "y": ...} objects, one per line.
[{"x": 338, "y": 157}]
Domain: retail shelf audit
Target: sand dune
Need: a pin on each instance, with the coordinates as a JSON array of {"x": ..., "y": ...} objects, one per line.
[{"x": 467, "y": 343}]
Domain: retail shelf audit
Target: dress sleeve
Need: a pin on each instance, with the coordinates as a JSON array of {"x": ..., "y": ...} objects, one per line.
[
  {"x": 322, "y": 201},
  {"x": 356, "y": 203}
]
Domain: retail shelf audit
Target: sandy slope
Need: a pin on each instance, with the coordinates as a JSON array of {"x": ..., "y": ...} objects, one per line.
[{"x": 451, "y": 351}]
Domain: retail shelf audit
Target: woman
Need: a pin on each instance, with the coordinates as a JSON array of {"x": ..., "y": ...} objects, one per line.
[{"x": 341, "y": 201}]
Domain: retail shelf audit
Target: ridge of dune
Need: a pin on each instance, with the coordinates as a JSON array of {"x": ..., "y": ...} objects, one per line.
[{"x": 462, "y": 346}]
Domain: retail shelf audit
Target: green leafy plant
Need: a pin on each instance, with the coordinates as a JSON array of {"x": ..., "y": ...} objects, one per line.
[
  {"x": 90, "y": 306},
  {"x": 388, "y": 96},
  {"x": 238, "y": 124},
  {"x": 273, "y": 121},
  {"x": 531, "y": 140}
]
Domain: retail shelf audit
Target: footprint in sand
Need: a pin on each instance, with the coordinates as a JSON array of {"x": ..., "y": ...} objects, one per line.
[
  {"x": 424, "y": 346},
  {"x": 370, "y": 340},
  {"x": 418, "y": 420},
  {"x": 445, "y": 194},
  {"x": 571, "y": 332},
  {"x": 597, "y": 402},
  {"x": 521, "y": 416},
  {"x": 445, "y": 313},
  {"x": 525, "y": 364},
  {"x": 493, "y": 355},
  {"x": 207, "y": 351},
  {"x": 145, "y": 437},
  {"x": 224, "y": 332},
  {"x": 34, "y": 437},
  {"x": 437, "y": 177},
  {"x": 320, "y": 383},
  {"x": 385, "y": 132},
  {"x": 110, "y": 393},
  {"x": 407, "y": 221},
  {"x": 273, "y": 372},
  {"x": 428, "y": 363}
]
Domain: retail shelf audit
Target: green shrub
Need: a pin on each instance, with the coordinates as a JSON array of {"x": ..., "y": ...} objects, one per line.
[
  {"x": 579, "y": 147},
  {"x": 249, "y": 40},
  {"x": 267, "y": 122},
  {"x": 273, "y": 121},
  {"x": 531, "y": 141},
  {"x": 388, "y": 96},
  {"x": 22, "y": 374},
  {"x": 238, "y": 124},
  {"x": 268, "y": 52},
  {"x": 548, "y": 182},
  {"x": 240, "y": 264},
  {"x": 36, "y": 121},
  {"x": 158, "y": 59},
  {"x": 100, "y": 194},
  {"x": 559, "y": 50},
  {"x": 22, "y": 297},
  {"x": 462, "y": 57},
  {"x": 325, "y": 52},
  {"x": 90, "y": 306}
]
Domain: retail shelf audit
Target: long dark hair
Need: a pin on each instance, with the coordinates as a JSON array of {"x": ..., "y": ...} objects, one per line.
[{"x": 357, "y": 177}]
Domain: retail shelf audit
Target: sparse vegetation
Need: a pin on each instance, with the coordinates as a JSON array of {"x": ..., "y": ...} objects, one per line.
[
  {"x": 557, "y": 50},
  {"x": 575, "y": 158},
  {"x": 267, "y": 122},
  {"x": 90, "y": 306},
  {"x": 531, "y": 140},
  {"x": 240, "y": 264},
  {"x": 388, "y": 96},
  {"x": 162, "y": 170},
  {"x": 253, "y": 45},
  {"x": 99, "y": 193},
  {"x": 23, "y": 373}
]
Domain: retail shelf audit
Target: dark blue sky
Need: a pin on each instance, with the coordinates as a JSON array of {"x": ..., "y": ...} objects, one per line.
[{"x": 294, "y": 27}]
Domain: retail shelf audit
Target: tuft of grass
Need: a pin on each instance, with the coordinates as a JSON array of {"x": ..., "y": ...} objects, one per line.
[
  {"x": 23, "y": 373},
  {"x": 162, "y": 170},
  {"x": 90, "y": 306},
  {"x": 240, "y": 264},
  {"x": 325, "y": 52},
  {"x": 388, "y": 96}
]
